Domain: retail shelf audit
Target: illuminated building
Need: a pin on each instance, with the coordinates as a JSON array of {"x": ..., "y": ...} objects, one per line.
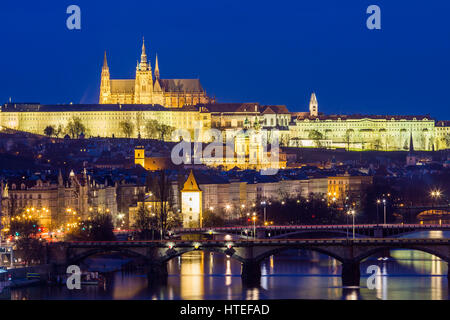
[
  {"x": 235, "y": 197},
  {"x": 56, "y": 199},
  {"x": 102, "y": 120},
  {"x": 367, "y": 132},
  {"x": 191, "y": 203},
  {"x": 153, "y": 162},
  {"x": 347, "y": 189}
]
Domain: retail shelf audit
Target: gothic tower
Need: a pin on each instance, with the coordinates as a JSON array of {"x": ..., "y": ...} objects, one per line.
[
  {"x": 144, "y": 80},
  {"x": 105, "y": 84},
  {"x": 313, "y": 106},
  {"x": 191, "y": 203},
  {"x": 156, "y": 68},
  {"x": 158, "y": 96}
]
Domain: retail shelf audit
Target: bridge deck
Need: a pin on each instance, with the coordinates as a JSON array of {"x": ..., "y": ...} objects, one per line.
[{"x": 259, "y": 242}]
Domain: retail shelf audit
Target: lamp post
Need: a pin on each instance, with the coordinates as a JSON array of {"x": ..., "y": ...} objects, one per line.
[
  {"x": 352, "y": 212},
  {"x": 378, "y": 204},
  {"x": 254, "y": 225},
  {"x": 435, "y": 194},
  {"x": 228, "y": 207},
  {"x": 263, "y": 203},
  {"x": 384, "y": 203},
  {"x": 346, "y": 224}
]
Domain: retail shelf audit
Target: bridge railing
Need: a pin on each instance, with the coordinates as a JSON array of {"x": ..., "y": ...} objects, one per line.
[
  {"x": 174, "y": 243},
  {"x": 312, "y": 227}
]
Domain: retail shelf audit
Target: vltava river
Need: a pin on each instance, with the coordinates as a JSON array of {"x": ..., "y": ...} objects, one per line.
[{"x": 295, "y": 274}]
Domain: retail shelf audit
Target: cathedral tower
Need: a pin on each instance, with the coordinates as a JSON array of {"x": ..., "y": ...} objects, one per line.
[
  {"x": 144, "y": 80},
  {"x": 105, "y": 84},
  {"x": 313, "y": 106},
  {"x": 156, "y": 68}
]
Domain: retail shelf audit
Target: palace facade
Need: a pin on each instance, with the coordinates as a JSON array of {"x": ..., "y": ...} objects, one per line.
[
  {"x": 368, "y": 132},
  {"x": 149, "y": 88}
]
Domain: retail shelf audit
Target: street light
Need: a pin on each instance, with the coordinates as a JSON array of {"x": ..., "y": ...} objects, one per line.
[
  {"x": 254, "y": 225},
  {"x": 228, "y": 207},
  {"x": 352, "y": 212},
  {"x": 384, "y": 203},
  {"x": 263, "y": 203},
  {"x": 378, "y": 204},
  {"x": 435, "y": 194}
]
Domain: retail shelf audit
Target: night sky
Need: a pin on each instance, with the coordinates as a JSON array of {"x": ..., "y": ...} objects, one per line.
[{"x": 272, "y": 52}]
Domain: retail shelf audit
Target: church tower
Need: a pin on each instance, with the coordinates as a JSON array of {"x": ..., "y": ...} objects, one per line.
[
  {"x": 105, "y": 84},
  {"x": 192, "y": 203},
  {"x": 313, "y": 106},
  {"x": 139, "y": 156},
  {"x": 144, "y": 80}
]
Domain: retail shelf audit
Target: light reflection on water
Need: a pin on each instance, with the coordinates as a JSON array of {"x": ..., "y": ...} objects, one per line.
[{"x": 295, "y": 274}]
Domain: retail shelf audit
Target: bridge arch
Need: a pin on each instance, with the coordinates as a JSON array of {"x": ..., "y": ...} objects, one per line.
[
  {"x": 180, "y": 251},
  {"x": 373, "y": 251},
  {"x": 75, "y": 259}
]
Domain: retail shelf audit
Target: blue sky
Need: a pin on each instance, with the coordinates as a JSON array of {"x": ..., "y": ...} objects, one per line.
[{"x": 272, "y": 52}]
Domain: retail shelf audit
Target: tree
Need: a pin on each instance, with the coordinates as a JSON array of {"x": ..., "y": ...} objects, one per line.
[
  {"x": 127, "y": 128},
  {"x": 151, "y": 129},
  {"x": 49, "y": 131},
  {"x": 164, "y": 131},
  {"x": 447, "y": 141},
  {"x": 145, "y": 222},
  {"x": 22, "y": 226},
  {"x": 316, "y": 136},
  {"x": 348, "y": 138},
  {"x": 211, "y": 220},
  {"x": 160, "y": 186},
  {"x": 59, "y": 130},
  {"x": 139, "y": 120},
  {"x": 377, "y": 144},
  {"x": 25, "y": 229},
  {"x": 75, "y": 128},
  {"x": 156, "y": 130}
]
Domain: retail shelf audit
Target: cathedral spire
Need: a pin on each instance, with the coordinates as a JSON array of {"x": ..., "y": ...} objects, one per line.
[
  {"x": 105, "y": 62},
  {"x": 156, "y": 67},
  {"x": 143, "y": 54}
]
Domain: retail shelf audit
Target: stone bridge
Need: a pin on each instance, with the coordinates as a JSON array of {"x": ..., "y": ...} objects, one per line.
[
  {"x": 250, "y": 254},
  {"x": 279, "y": 232},
  {"x": 410, "y": 213}
]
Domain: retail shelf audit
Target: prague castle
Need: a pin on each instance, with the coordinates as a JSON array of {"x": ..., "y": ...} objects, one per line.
[
  {"x": 149, "y": 88},
  {"x": 183, "y": 104}
]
